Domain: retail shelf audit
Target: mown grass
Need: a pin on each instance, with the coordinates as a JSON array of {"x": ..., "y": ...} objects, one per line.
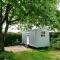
[{"x": 31, "y": 55}]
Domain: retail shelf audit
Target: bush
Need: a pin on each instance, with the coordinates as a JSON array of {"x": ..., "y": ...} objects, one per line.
[
  {"x": 6, "y": 55},
  {"x": 12, "y": 39},
  {"x": 55, "y": 38},
  {"x": 54, "y": 34}
]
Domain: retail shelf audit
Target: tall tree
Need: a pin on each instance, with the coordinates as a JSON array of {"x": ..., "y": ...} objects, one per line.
[{"x": 1, "y": 22}]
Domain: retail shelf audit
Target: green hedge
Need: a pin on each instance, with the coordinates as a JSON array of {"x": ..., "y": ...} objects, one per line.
[
  {"x": 13, "y": 39},
  {"x": 55, "y": 38}
]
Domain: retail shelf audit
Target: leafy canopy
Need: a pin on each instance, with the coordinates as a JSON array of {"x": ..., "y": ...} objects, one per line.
[{"x": 32, "y": 12}]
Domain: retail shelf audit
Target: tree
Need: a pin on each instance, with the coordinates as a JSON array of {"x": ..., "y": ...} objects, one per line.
[
  {"x": 30, "y": 12},
  {"x": 57, "y": 24},
  {"x": 43, "y": 12}
]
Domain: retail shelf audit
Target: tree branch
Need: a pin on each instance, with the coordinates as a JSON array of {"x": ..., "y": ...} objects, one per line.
[{"x": 15, "y": 20}]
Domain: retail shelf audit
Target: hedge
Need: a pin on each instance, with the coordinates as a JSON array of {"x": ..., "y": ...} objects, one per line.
[
  {"x": 13, "y": 39},
  {"x": 55, "y": 39}
]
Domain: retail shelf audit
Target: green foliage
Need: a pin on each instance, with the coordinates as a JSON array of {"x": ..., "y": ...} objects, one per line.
[
  {"x": 41, "y": 12},
  {"x": 55, "y": 39},
  {"x": 55, "y": 34},
  {"x": 58, "y": 20},
  {"x": 13, "y": 38},
  {"x": 6, "y": 55}
]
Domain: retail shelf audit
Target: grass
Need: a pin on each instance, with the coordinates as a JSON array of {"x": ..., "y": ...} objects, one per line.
[
  {"x": 7, "y": 55},
  {"x": 32, "y": 55}
]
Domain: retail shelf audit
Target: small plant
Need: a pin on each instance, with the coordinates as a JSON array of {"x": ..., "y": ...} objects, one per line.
[{"x": 6, "y": 55}]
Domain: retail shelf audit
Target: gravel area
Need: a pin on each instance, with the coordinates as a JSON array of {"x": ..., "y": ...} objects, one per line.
[{"x": 16, "y": 48}]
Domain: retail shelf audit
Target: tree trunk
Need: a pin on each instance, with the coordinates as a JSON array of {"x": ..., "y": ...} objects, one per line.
[
  {"x": 5, "y": 32},
  {"x": 1, "y": 33},
  {"x": 1, "y": 40}
]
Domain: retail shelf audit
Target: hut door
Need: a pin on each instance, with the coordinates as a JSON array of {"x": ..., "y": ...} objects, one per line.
[{"x": 27, "y": 38}]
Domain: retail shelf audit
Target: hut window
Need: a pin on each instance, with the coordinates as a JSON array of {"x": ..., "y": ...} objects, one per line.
[{"x": 42, "y": 34}]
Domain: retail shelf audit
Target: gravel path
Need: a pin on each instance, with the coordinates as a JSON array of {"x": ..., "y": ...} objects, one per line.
[{"x": 16, "y": 48}]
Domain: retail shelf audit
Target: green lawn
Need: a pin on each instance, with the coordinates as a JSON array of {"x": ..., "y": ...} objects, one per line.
[{"x": 32, "y": 55}]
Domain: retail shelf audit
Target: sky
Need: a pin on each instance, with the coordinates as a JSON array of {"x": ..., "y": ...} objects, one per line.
[
  {"x": 12, "y": 28},
  {"x": 58, "y": 6}
]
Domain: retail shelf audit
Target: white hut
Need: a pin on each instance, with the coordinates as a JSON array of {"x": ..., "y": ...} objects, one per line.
[{"x": 36, "y": 38}]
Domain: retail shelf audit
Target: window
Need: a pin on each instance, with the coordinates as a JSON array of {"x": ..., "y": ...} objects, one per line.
[{"x": 42, "y": 34}]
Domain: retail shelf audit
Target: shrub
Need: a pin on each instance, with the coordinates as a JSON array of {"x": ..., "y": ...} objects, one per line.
[
  {"x": 55, "y": 38},
  {"x": 12, "y": 39},
  {"x": 6, "y": 55}
]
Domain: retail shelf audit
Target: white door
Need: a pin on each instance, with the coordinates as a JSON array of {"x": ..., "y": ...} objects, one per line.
[{"x": 27, "y": 38}]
